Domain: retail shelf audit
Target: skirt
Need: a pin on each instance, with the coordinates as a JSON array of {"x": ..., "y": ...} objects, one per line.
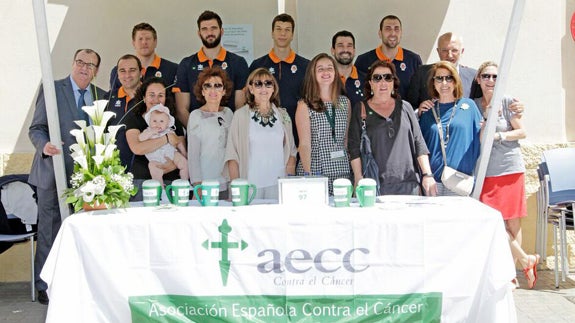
[{"x": 506, "y": 194}]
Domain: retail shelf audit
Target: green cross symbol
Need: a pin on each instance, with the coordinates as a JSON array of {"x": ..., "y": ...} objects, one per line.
[{"x": 224, "y": 245}]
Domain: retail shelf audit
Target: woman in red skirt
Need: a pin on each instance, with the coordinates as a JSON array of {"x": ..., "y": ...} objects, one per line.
[{"x": 504, "y": 185}]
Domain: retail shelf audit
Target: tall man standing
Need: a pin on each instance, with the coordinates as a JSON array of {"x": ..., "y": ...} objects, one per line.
[
  {"x": 285, "y": 65},
  {"x": 406, "y": 62},
  {"x": 145, "y": 41},
  {"x": 449, "y": 48},
  {"x": 210, "y": 32},
  {"x": 343, "y": 50},
  {"x": 72, "y": 93}
]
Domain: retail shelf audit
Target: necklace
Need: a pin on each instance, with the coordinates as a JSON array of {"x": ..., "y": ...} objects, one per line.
[
  {"x": 439, "y": 124},
  {"x": 267, "y": 119}
]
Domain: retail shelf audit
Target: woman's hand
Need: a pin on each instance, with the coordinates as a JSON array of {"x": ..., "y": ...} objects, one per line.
[{"x": 429, "y": 186}]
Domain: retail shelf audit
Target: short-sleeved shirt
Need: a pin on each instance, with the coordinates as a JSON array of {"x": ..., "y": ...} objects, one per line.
[
  {"x": 191, "y": 66},
  {"x": 140, "y": 168},
  {"x": 406, "y": 63},
  {"x": 120, "y": 103},
  {"x": 159, "y": 68},
  {"x": 354, "y": 86},
  {"x": 463, "y": 145}
]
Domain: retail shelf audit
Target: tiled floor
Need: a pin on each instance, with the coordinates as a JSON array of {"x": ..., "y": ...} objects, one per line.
[{"x": 545, "y": 303}]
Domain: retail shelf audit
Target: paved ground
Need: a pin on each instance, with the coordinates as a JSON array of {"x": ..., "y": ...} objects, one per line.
[{"x": 545, "y": 303}]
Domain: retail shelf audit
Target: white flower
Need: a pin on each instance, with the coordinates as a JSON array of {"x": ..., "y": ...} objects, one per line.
[
  {"x": 98, "y": 133},
  {"x": 110, "y": 137},
  {"x": 97, "y": 114},
  {"x": 87, "y": 191},
  {"x": 99, "y": 184},
  {"x": 464, "y": 106},
  {"x": 108, "y": 153},
  {"x": 81, "y": 160},
  {"x": 79, "y": 134}
]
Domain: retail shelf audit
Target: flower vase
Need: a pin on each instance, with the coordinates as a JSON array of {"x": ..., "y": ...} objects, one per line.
[{"x": 88, "y": 207}]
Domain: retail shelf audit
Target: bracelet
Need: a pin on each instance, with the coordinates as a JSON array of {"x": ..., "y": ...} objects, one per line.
[
  {"x": 167, "y": 139},
  {"x": 427, "y": 175}
]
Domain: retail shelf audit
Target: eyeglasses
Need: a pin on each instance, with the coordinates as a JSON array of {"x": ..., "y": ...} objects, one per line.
[
  {"x": 81, "y": 64},
  {"x": 378, "y": 77},
  {"x": 258, "y": 84},
  {"x": 487, "y": 77},
  {"x": 215, "y": 86},
  {"x": 390, "y": 129},
  {"x": 446, "y": 78}
]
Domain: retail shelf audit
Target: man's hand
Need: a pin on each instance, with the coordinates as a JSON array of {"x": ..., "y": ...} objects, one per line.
[{"x": 50, "y": 149}]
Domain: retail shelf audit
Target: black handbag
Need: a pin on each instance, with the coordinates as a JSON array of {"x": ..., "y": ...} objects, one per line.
[{"x": 368, "y": 164}]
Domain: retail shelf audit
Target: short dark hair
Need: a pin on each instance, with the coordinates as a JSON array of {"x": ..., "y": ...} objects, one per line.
[
  {"x": 284, "y": 17},
  {"x": 389, "y": 17},
  {"x": 88, "y": 51},
  {"x": 209, "y": 15},
  {"x": 342, "y": 33},
  {"x": 367, "y": 87},
  {"x": 144, "y": 26},
  {"x": 130, "y": 56},
  {"x": 214, "y": 71}
]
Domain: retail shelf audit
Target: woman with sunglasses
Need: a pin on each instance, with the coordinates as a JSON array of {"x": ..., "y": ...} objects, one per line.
[
  {"x": 504, "y": 185},
  {"x": 208, "y": 128},
  {"x": 322, "y": 120},
  {"x": 460, "y": 123},
  {"x": 261, "y": 146},
  {"x": 396, "y": 140}
]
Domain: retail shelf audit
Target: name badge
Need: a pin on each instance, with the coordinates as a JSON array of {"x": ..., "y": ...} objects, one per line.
[{"x": 338, "y": 154}]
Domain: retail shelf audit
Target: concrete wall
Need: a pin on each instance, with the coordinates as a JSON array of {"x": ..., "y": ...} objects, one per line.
[{"x": 542, "y": 72}]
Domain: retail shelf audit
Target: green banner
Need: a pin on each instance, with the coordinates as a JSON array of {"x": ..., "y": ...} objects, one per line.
[{"x": 424, "y": 307}]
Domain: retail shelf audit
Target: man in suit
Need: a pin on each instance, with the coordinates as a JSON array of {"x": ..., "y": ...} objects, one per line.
[
  {"x": 71, "y": 92},
  {"x": 449, "y": 48}
]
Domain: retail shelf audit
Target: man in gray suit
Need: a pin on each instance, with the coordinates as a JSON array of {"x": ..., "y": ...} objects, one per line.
[
  {"x": 71, "y": 92},
  {"x": 449, "y": 48}
]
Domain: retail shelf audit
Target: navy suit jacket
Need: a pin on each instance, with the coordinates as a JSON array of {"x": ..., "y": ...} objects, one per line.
[
  {"x": 42, "y": 171},
  {"x": 418, "y": 90}
]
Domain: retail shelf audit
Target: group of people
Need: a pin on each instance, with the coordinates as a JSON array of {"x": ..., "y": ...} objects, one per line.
[{"x": 214, "y": 117}]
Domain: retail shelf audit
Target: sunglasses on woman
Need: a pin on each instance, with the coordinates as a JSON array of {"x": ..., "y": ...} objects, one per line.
[
  {"x": 378, "y": 77},
  {"x": 441, "y": 79},
  {"x": 258, "y": 84},
  {"x": 487, "y": 77},
  {"x": 215, "y": 86}
]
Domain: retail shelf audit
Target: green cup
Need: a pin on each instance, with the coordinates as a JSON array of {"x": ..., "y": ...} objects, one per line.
[
  {"x": 179, "y": 192},
  {"x": 342, "y": 190},
  {"x": 151, "y": 192},
  {"x": 366, "y": 191},
  {"x": 241, "y": 192},
  {"x": 210, "y": 192}
]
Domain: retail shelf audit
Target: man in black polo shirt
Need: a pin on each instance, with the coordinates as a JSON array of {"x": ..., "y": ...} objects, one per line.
[
  {"x": 212, "y": 53},
  {"x": 285, "y": 65},
  {"x": 145, "y": 40}
]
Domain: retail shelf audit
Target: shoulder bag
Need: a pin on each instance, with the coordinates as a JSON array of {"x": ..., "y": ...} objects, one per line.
[{"x": 368, "y": 164}]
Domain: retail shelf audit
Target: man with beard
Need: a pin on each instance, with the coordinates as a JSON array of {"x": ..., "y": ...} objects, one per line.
[
  {"x": 144, "y": 41},
  {"x": 285, "y": 65},
  {"x": 449, "y": 48},
  {"x": 343, "y": 50},
  {"x": 212, "y": 53},
  {"x": 406, "y": 62}
]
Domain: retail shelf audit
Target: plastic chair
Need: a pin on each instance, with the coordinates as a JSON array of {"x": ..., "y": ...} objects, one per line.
[
  {"x": 16, "y": 197},
  {"x": 560, "y": 200}
]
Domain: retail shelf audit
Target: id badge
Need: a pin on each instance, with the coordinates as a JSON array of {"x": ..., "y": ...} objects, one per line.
[{"x": 337, "y": 155}]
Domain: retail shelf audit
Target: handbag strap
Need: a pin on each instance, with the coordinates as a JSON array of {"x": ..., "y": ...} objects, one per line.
[
  {"x": 440, "y": 129},
  {"x": 363, "y": 115}
]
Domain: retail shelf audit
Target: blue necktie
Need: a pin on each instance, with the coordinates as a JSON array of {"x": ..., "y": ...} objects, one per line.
[{"x": 81, "y": 103}]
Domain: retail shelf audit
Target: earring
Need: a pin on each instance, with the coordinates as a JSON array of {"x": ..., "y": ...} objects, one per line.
[
  {"x": 371, "y": 92},
  {"x": 392, "y": 92}
]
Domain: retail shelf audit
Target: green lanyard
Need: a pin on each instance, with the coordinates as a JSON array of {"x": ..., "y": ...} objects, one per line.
[{"x": 331, "y": 120}]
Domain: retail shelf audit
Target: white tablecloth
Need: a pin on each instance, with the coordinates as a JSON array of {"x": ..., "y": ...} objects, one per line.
[{"x": 142, "y": 264}]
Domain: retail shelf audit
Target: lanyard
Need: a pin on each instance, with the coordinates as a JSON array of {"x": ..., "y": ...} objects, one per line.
[{"x": 331, "y": 120}]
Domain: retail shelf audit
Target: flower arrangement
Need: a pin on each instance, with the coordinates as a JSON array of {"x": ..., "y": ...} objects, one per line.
[{"x": 99, "y": 179}]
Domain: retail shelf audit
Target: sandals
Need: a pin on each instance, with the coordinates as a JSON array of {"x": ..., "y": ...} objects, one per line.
[{"x": 530, "y": 271}]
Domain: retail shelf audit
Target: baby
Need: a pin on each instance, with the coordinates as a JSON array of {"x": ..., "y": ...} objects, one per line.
[{"x": 160, "y": 123}]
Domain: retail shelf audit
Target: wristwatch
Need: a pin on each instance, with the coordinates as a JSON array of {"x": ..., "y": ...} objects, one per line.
[{"x": 427, "y": 175}]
